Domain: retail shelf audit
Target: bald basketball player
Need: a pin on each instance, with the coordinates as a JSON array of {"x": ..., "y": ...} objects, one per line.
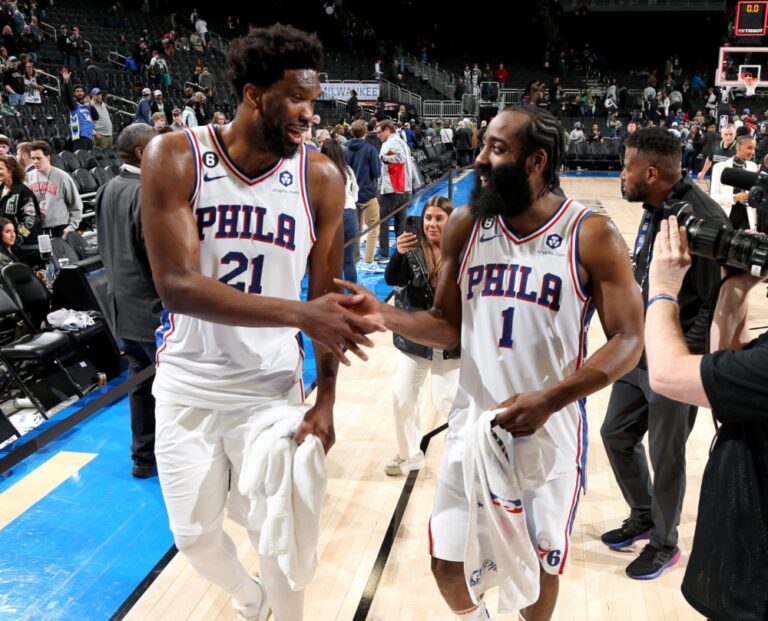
[
  {"x": 523, "y": 270},
  {"x": 232, "y": 215}
]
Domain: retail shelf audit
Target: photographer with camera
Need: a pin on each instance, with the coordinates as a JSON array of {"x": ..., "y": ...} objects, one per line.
[
  {"x": 725, "y": 577},
  {"x": 413, "y": 269},
  {"x": 652, "y": 175}
]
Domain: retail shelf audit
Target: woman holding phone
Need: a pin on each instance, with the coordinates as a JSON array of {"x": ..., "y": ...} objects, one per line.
[{"x": 413, "y": 269}]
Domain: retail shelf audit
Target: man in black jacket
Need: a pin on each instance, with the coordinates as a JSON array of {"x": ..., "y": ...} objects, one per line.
[
  {"x": 651, "y": 175},
  {"x": 132, "y": 293}
]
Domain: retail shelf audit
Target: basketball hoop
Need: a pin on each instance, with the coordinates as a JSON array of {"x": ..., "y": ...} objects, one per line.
[{"x": 750, "y": 84}]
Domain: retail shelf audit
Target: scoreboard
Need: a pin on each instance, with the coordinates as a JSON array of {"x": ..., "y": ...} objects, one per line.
[{"x": 751, "y": 19}]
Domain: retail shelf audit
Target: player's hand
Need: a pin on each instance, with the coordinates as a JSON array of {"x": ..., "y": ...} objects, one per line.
[
  {"x": 369, "y": 305},
  {"x": 330, "y": 321},
  {"x": 318, "y": 421},
  {"x": 671, "y": 259},
  {"x": 405, "y": 242},
  {"x": 524, "y": 413}
]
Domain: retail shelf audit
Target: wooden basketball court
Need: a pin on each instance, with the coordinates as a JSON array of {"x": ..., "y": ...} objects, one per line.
[{"x": 361, "y": 501}]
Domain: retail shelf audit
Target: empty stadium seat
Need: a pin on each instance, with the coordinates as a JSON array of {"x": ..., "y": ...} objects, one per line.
[
  {"x": 85, "y": 181},
  {"x": 71, "y": 163}
]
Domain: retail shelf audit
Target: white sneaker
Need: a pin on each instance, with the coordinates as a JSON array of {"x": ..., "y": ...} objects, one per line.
[
  {"x": 397, "y": 465},
  {"x": 264, "y": 609},
  {"x": 372, "y": 267}
]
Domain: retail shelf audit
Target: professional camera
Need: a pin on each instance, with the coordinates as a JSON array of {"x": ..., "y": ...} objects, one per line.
[
  {"x": 712, "y": 239},
  {"x": 755, "y": 182}
]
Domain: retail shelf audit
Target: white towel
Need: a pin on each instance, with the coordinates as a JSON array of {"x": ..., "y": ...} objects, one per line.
[
  {"x": 288, "y": 483},
  {"x": 499, "y": 551}
]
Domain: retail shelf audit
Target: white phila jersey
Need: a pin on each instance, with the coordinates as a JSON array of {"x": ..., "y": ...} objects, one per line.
[
  {"x": 255, "y": 235},
  {"x": 525, "y": 315}
]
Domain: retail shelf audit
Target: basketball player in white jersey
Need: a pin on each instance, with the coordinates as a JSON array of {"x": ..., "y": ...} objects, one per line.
[
  {"x": 523, "y": 269},
  {"x": 231, "y": 216}
]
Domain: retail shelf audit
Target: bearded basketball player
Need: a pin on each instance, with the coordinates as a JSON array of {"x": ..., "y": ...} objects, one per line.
[{"x": 523, "y": 270}]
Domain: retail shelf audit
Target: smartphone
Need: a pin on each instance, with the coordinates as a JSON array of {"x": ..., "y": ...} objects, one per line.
[{"x": 413, "y": 224}]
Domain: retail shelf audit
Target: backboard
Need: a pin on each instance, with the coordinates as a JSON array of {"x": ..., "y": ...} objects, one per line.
[{"x": 734, "y": 63}]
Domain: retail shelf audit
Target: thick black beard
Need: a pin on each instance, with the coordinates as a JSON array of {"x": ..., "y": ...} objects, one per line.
[
  {"x": 508, "y": 192},
  {"x": 275, "y": 140}
]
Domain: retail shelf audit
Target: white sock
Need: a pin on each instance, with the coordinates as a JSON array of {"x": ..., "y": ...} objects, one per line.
[{"x": 476, "y": 613}]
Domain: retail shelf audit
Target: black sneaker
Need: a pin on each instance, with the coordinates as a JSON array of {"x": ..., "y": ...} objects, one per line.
[
  {"x": 143, "y": 470},
  {"x": 625, "y": 536},
  {"x": 652, "y": 562}
]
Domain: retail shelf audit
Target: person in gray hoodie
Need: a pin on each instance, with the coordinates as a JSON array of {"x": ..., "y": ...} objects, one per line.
[{"x": 56, "y": 192}]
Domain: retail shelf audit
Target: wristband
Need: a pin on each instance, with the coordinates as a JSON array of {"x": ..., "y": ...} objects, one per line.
[{"x": 662, "y": 296}]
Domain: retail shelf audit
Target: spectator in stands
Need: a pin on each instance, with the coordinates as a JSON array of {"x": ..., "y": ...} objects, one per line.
[
  {"x": 620, "y": 148},
  {"x": 462, "y": 141},
  {"x": 5, "y": 145},
  {"x": 132, "y": 292},
  {"x": 353, "y": 107},
  {"x": 158, "y": 72},
  {"x": 142, "y": 56},
  {"x": 719, "y": 152},
  {"x": 102, "y": 124},
  {"x": 144, "y": 108},
  {"x": 396, "y": 183},
  {"x": 34, "y": 28},
  {"x": 9, "y": 40},
  {"x": 697, "y": 85},
  {"x": 158, "y": 120},
  {"x": 610, "y": 105},
  {"x": 23, "y": 156},
  {"x": 595, "y": 135},
  {"x": 95, "y": 77},
  {"x": 614, "y": 125},
  {"x": 339, "y": 134},
  {"x": 32, "y": 90},
  {"x": 219, "y": 119},
  {"x": 195, "y": 42},
  {"x": 169, "y": 43},
  {"x": 62, "y": 43},
  {"x": 205, "y": 79},
  {"x": 114, "y": 17},
  {"x": 75, "y": 48},
  {"x": 81, "y": 113},
  {"x": 176, "y": 122},
  {"x": 555, "y": 96},
  {"x": 586, "y": 103},
  {"x": 8, "y": 243},
  {"x": 577, "y": 134},
  {"x": 161, "y": 105},
  {"x": 13, "y": 83},
  {"x": 446, "y": 134},
  {"x": 203, "y": 109},
  {"x": 18, "y": 203},
  {"x": 27, "y": 43},
  {"x": 692, "y": 149},
  {"x": 711, "y": 104},
  {"x": 363, "y": 158},
  {"x": 123, "y": 47},
  {"x": 201, "y": 26},
  {"x": 372, "y": 137},
  {"x": 56, "y": 192},
  {"x": 378, "y": 72},
  {"x": 188, "y": 115},
  {"x": 501, "y": 75}
]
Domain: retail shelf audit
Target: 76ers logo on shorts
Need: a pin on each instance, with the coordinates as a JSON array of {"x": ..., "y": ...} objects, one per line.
[{"x": 544, "y": 548}]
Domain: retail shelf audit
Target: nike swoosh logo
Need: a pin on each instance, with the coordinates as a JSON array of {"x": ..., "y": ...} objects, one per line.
[
  {"x": 483, "y": 238},
  {"x": 207, "y": 178}
]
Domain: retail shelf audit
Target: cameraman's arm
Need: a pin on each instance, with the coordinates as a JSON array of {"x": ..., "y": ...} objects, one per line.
[
  {"x": 672, "y": 370},
  {"x": 729, "y": 323}
]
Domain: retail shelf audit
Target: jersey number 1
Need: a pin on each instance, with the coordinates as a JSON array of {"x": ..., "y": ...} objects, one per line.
[
  {"x": 257, "y": 268},
  {"x": 506, "y": 328}
]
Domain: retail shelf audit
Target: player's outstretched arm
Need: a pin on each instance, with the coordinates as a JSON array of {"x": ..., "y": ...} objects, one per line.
[
  {"x": 441, "y": 325},
  {"x": 170, "y": 229},
  {"x": 606, "y": 271}
]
